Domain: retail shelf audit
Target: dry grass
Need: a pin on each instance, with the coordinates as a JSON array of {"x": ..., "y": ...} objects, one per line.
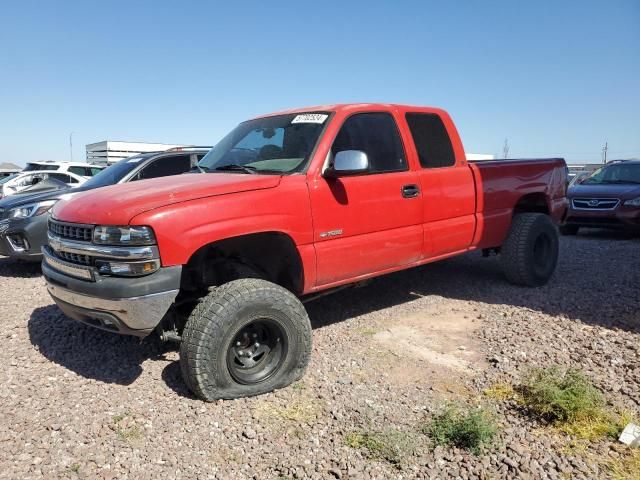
[
  {"x": 598, "y": 424},
  {"x": 129, "y": 434},
  {"x": 627, "y": 467},
  {"x": 502, "y": 391},
  {"x": 560, "y": 395},
  {"x": 391, "y": 445},
  {"x": 570, "y": 402},
  {"x": 126, "y": 431},
  {"x": 300, "y": 410}
]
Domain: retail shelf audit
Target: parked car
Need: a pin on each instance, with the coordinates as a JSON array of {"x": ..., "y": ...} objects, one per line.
[
  {"x": 608, "y": 198},
  {"x": 83, "y": 169},
  {"x": 23, "y": 180},
  {"x": 23, "y": 218},
  {"x": 294, "y": 205}
]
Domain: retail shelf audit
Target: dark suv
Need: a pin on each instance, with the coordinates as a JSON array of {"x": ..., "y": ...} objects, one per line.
[
  {"x": 608, "y": 198},
  {"x": 23, "y": 218}
]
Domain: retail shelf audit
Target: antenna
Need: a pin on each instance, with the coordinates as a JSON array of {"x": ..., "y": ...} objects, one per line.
[
  {"x": 505, "y": 148},
  {"x": 604, "y": 152}
]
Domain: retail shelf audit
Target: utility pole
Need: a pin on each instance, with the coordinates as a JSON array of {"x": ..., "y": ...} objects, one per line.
[
  {"x": 505, "y": 148},
  {"x": 604, "y": 152},
  {"x": 71, "y": 145}
]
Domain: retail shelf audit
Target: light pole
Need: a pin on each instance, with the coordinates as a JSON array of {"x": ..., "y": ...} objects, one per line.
[{"x": 71, "y": 145}]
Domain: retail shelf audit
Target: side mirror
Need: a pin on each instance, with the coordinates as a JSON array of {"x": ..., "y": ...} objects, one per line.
[{"x": 347, "y": 162}]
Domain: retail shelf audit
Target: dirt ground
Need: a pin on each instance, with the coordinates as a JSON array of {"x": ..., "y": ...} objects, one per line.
[{"x": 80, "y": 403}]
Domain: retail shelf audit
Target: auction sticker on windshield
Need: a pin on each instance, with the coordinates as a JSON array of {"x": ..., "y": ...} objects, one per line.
[{"x": 310, "y": 118}]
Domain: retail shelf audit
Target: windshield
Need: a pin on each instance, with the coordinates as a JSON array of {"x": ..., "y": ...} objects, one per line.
[
  {"x": 278, "y": 144},
  {"x": 40, "y": 166},
  {"x": 7, "y": 179},
  {"x": 114, "y": 173},
  {"x": 618, "y": 173}
]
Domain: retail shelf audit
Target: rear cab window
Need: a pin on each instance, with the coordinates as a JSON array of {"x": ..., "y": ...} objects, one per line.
[{"x": 431, "y": 139}]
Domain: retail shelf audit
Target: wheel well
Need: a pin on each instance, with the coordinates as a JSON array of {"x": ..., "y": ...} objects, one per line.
[
  {"x": 532, "y": 202},
  {"x": 270, "y": 255}
]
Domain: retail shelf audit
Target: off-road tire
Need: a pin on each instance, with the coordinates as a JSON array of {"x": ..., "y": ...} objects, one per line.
[
  {"x": 215, "y": 323},
  {"x": 529, "y": 255},
  {"x": 569, "y": 229}
]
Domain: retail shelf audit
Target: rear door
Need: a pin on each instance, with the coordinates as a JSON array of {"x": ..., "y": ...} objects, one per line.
[
  {"x": 447, "y": 186},
  {"x": 363, "y": 223}
]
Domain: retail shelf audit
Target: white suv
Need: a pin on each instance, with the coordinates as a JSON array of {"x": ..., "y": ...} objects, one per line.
[
  {"x": 79, "y": 168},
  {"x": 19, "y": 181}
]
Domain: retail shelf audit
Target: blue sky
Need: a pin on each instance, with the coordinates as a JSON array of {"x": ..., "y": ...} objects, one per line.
[{"x": 555, "y": 78}]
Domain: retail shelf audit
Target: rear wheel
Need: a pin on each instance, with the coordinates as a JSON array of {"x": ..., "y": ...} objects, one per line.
[
  {"x": 529, "y": 255},
  {"x": 246, "y": 337},
  {"x": 569, "y": 229}
]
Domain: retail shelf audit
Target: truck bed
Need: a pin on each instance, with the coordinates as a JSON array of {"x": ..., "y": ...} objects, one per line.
[{"x": 503, "y": 184}]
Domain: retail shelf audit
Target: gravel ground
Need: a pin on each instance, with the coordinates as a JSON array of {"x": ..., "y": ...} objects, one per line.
[{"x": 80, "y": 403}]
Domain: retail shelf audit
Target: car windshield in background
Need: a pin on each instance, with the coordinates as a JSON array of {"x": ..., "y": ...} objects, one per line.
[
  {"x": 278, "y": 144},
  {"x": 619, "y": 173},
  {"x": 39, "y": 166},
  {"x": 114, "y": 173},
  {"x": 7, "y": 179}
]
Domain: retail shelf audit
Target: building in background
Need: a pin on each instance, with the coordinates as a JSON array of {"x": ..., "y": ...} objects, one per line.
[{"x": 108, "y": 151}]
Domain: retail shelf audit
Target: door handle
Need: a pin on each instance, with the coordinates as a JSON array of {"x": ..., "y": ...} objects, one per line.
[{"x": 410, "y": 191}]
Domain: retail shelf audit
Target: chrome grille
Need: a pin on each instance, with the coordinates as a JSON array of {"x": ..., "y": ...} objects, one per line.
[
  {"x": 74, "y": 258},
  {"x": 81, "y": 233},
  {"x": 595, "y": 203}
]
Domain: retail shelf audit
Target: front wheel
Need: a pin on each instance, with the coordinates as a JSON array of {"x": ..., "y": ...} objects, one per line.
[
  {"x": 529, "y": 255},
  {"x": 246, "y": 337}
]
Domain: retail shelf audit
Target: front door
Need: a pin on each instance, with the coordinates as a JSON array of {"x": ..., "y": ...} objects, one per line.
[{"x": 370, "y": 222}]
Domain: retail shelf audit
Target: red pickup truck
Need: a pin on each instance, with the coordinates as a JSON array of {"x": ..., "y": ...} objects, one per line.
[{"x": 286, "y": 207}]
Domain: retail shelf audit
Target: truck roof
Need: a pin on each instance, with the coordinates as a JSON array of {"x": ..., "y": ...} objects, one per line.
[{"x": 341, "y": 107}]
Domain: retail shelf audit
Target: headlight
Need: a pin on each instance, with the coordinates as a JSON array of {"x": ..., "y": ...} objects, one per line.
[
  {"x": 127, "y": 269},
  {"x": 31, "y": 209},
  {"x": 633, "y": 203},
  {"x": 129, "y": 235}
]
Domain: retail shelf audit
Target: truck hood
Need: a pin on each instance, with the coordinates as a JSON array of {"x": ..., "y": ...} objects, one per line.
[
  {"x": 607, "y": 190},
  {"x": 118, "y": 204}
]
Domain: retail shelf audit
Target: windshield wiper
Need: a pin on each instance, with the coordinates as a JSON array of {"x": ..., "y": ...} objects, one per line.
[{"x": 234, "y": 167}]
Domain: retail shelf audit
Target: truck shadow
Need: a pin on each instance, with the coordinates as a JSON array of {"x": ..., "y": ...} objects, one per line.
[
  {"x": 589, "y": 285},
  {"x": 11, "y": 267},
  {"x": 90, "y": 352}
]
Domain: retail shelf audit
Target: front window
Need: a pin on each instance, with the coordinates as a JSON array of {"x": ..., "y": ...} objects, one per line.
[
  {"x": 618, "y": 173},
  {"x": 278, "y": 144}
]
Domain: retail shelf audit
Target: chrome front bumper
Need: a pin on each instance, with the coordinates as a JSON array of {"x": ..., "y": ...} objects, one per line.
[{"x": 130, "y": 316}]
